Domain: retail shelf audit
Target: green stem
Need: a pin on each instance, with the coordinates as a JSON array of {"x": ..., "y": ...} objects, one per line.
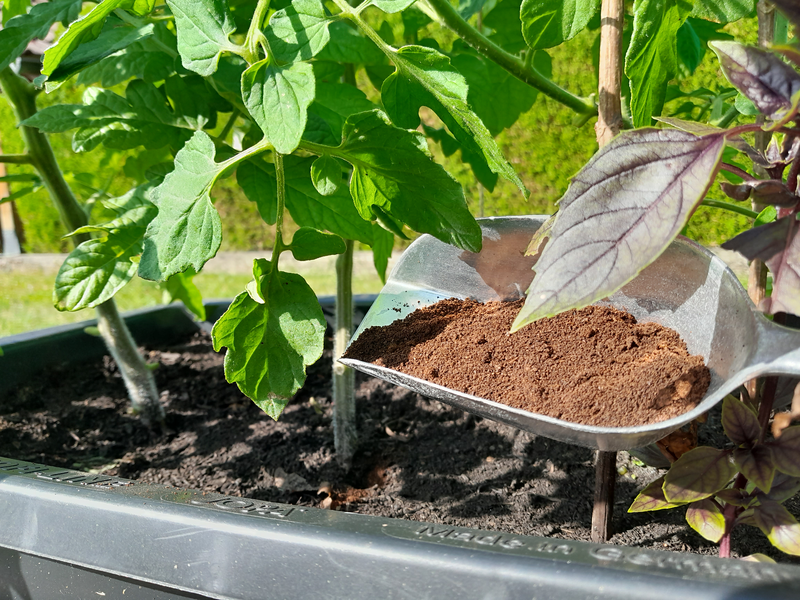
[
  {"x": 450, "y": 17},
  {"x": 254, "y": 34},
  {"x": 281, "y": 177},
  {"x": 728, "y": 118},
  {"x": 138, "y": 378},
  {"x": 735, "y": 208},
  {"x": 345, "y": 436},
  {"x": 16, "y": 159}
]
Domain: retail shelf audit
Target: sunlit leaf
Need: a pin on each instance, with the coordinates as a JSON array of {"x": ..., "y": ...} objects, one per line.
[
  {"x": 392, "y": 6},
  {"x": 13, "y": 8},
  {"x": 779, "y": 525},
  {"x": 393, "y": 170},
  {"x": 698, "y": 474},
  {"x": 181, "y": 287},
  {"x": 310, "y": 244},
  {"x": 652, "y": 498},
  {"x": 759, "y": 558},
  {"x": 761, "y": 76},
  {"x": 187, "y": 231},
  {"x": 723, "y": 11},
  {"x": 348, "y": 45},
  {"x": 548, "y": 23},
  {"x": 271, "y": 341},
  {"x": 739, "y": 422},
  {"x": 706, "y": 518},
  {"x": 757, "y": 465},
  {"x": 476, "y": 161},
  {"x": 620, "y": 212},
  {"x": 786, "y": 451},
  {"x": 17, "y": 32},
  {"x": 326, "y": 173},
  {"x": 204, "y": 29},
  {"x": 299, "y": 31}
]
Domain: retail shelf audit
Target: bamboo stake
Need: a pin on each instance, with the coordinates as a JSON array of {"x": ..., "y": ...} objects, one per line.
[{"x": 609, "y": 123}]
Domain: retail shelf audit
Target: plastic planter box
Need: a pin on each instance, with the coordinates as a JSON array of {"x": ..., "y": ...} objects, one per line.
[{"x": 65, "y": 534}]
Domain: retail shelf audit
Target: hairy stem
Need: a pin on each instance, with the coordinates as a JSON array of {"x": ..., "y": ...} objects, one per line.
[
  {"x": 254, "y": 34},
  {"x": 16, "y": 159},
  {"x": 138, "y": 378},
  {"x": 280, "y": 175},
  {"x": 345, "y": 436}
]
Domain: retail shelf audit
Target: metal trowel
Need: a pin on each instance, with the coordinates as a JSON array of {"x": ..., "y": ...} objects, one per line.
[{"x": 688, "y": 289}]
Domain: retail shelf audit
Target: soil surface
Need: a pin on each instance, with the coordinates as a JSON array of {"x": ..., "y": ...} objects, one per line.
[
  {"x": 595, "y": 366},
  {"x": 419, "y": 459}
]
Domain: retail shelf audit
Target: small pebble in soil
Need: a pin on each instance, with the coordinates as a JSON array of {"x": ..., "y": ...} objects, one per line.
[{"x": 596, "y": 366}]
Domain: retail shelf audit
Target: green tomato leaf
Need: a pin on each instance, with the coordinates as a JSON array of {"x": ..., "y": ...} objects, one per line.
[
  {"x": 110, "y": 41},
  {"x": 333, "y": 103},
  {"x": 187, "y": 231},
  {"x": 181, "y": 287},
  {"x": 761, "y": 76},
  {"x": 757, "y": 465},
  {"x": 495, "y": 95},
  {"x": 348, "y": 45},
  {"x": 779, "y": 526},
  {"x": 17, "y": 32},
  {"x": 98, "y": 268},
  {"x": 278, "y": 99},
  {"x": 204, "y": 30},
  {"x": 310, "y": 244},
  {"x": 256, "y": 185},
  {"x": 299, "y": 31},
  {"x": 476, "y": 162},
  {"x": 786, "y": 451},
  {"x": 13, "y": 8},
  {"x": 698, "y": 474},
  {"x": 652, "y": 498},
  {"x": 706, "y": 518},
  {"x": 144, "y": 59},
  {"x": 618, "y": 215},
  {"x": 393, "y": 170},
  {"x": 504, "y": 18},
  {"x": 739, "y": 422},
  {"x": 652, "y": 60},
  {"x": 326, "y": 174},
  {"x": 381, "y": 250},
  {"x": 549, "y": 23},
  {"x": 271, "y": 342},
  {"x": 143, "y": 118},
  {"x": 723, "y": 11},
  {"x": 86, "y": 29},
  {"x": 424, "y": 76},
  {"x": 392, "y": 6}
]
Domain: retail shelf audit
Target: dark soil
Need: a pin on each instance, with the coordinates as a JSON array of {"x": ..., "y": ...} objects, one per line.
[
  {"x": 596, "y": 366},
  {"x": 418, "y": 459}
]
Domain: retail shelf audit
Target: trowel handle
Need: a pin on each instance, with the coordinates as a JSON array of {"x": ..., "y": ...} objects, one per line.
[{"x": 778, "y": 351}]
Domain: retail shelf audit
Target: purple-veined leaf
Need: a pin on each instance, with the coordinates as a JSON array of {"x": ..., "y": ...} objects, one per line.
[
  {"x": 779, "y": 526},
  {"x": 786, "y": 451},
  {"x": 618, "y": 215},
  {"x": 735, "y": 496},
  {"x": 739, "y": 422},
  {"x": 765, "y": 79},
  {"x": 745, "y": 518},
  {"x": 783, "y": 487},
  {"x": 758, "y": 557},
  {"x": 762, "y": 242},
  {"x": 757, "y": 465},
  {"x": 702, "y": 129},
  {"x": 698, "y": 474},
  {"x": 769, "y": 191},
  {"x": 652, "y": 498},
  {"x": 785, "y": 268},
  {"x": 706, "y": 518}
]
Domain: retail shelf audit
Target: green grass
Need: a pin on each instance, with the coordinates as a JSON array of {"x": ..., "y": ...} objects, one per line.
[{"x": 26, "y": 298}]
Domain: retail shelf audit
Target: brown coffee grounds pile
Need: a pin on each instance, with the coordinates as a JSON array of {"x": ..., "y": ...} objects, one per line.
[{"x": 596, "y": 366}]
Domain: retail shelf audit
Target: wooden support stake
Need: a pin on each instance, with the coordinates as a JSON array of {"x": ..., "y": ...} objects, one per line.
[{"x": 605, "y": 473}]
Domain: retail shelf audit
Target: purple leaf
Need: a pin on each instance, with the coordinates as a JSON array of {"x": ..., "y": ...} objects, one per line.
[
  {"x": 762, "y": 242},
  {"x": 698, "y": 474},
  {"x": 779, "y": 525},
  {"x": 785, "y": 267},
  {"x": 783, "y": 488},
  {"x": 651, "y": 498},
  {"x": 620, "y": 212},
  {"x": 761, "y": 76},
  {"x": 769, "y": 191},
  {"x": 739, "y": 422},
  {"x": 786, "y": 451},
  {"x": 702, "y": 129},
  {"x": 757, "y": 465},
  {"x": 745, "y": 518},
  {"x": 706, "y": 518},
  {"x": 735, "y": 496}
]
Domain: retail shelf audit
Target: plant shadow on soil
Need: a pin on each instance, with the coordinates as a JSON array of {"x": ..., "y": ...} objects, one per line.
[{"x": 418, "y": 459}]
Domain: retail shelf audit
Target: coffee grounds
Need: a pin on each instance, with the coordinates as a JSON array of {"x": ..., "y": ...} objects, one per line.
[{"x": 596, "y": 366}]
